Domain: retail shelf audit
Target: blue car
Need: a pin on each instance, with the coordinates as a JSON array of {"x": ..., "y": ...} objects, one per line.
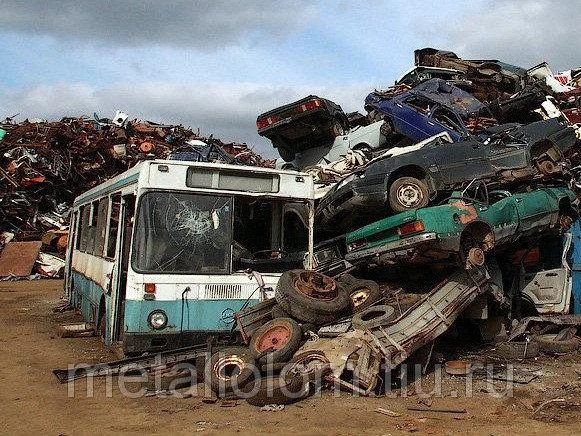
[{"x": 432, "y": 107}]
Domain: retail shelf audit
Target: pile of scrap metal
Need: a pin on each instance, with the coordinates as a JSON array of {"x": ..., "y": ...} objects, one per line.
[
  {"x": 45, "y": 165},
  {"x": 468, "y": 99},
  {"x": 463, "y": 171},
  {"x": 347, "y": 333}
]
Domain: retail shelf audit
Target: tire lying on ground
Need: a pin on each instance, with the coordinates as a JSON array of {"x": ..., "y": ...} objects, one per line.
[
  {"x": 548, "y": 344},
  {"x": 281, "y": 335},
  {"x": 374, "y": 316},
  {"x": 312, "y": 297},
  {"x": 363, "y": 293},
  {"x": 518, "y": 349},
  {"x": 276, "y": 390},
  {"x": 230, "y": 369}
]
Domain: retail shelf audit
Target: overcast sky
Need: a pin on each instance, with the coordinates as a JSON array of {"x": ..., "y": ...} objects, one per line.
[{"x": 217, "y": 64}]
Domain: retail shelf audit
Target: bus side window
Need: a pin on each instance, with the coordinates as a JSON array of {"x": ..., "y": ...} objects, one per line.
[
  {"x": 101, "y": 228},
  {"x": 92, "y": 230},
  {"x": 84, "y": 237},
  {"x": 81, "y": 227},
  {"x": 113, "y": 225}
]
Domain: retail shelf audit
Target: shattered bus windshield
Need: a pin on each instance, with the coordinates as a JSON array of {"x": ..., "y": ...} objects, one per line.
[
  {"x": 183, "y": 233},
  {"x": 186, "y": 233}
]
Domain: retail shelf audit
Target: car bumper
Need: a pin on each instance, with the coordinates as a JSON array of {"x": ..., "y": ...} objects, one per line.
[{"x": 394, "y": 250}]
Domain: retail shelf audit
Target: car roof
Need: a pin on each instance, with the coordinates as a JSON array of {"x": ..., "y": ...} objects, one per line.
[{"x": 448, "y": 95}]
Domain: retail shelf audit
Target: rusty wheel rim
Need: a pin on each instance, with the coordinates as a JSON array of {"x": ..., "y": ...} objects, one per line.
[
  {"x": 316, "y": 285},
  {"x": 308, "y": 363},
  {"x": 359, "y": 296},
  {"x": 476, "y": 257},
  {"x": 228, "y": 368},
  {"x": 275, "y": 338}
]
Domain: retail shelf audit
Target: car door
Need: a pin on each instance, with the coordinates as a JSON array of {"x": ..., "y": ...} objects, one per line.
[
  {"x": 549, "y": 289},
  {"x": 535, "y": 210},
  {"x": 462, "y": 161},
  {"x": 509, "y": 157},
  {"x": 410, "y": 117}
]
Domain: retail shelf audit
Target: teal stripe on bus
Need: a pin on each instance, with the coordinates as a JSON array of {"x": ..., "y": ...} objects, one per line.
[
  {"x": 198, "y": 315},
  {"x": 105, "y": 191}
]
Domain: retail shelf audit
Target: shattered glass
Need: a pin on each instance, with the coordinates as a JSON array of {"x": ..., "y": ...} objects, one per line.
[{"x": 183, "y": 233}]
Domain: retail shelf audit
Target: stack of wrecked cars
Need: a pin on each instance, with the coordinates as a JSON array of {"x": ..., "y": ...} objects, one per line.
[
  {"x": 466, "y": 201},
  {"x": 454, "y": 199}
]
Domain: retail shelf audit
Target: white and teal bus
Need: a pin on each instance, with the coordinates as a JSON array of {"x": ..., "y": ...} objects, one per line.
[{"x": 162, "y": 255}]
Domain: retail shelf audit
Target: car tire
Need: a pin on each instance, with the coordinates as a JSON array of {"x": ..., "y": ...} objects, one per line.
[
  {"x": 276, "y": 390},
  {"x": 407, "y": 193},
  {"x": 311, "y": 308},
  {"x": 363, "y": 293},
  {"x": 518, "y": 349},
  {"x": 278, "y": 312},
  {"x": 282, "y": 334},
  {"x": 286, "y": 153},
  {"x": 374, "y": 316},
  {"x": 230, "y": 369},
  {"x": 547, "y": 344}
]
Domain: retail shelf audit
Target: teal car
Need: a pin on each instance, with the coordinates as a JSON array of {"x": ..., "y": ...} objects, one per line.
[{"x": 471, "y": 222}]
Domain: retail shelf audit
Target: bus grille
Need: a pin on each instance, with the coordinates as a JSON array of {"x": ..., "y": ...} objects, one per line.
[{"x": 222, "y": 292}]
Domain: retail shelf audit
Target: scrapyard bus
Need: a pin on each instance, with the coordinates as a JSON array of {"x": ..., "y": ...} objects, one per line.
[{"x": 165, "y": 253}]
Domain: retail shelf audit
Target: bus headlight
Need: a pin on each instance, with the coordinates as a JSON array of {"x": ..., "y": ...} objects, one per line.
[{"x": 157, "y": 319}]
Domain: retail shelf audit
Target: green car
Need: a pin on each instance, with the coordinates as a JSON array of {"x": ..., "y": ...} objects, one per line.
[{"x": 473, "y": 221}]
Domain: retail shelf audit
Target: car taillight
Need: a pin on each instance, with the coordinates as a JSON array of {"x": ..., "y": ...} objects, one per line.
[
  {"x": 356, "y": 245},
  {"x": 409, "y": 228},
  {"x": 150, "y": 288},
  {"x": 261, "y": 123},
  {"x": 309, "y": 106}
]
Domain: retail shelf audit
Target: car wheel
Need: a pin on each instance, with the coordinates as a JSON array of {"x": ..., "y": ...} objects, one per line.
[
  {"x": 312, "y": 297},
  {"x": 230, "y": 369},
  {"x": 547, "y": 167},
  {"x": 278, "y": 312},
  {"x": 408, "y": 193},
  {"x": 374, "y": 316},
  {"x": 286, "y": 153},
  {"x": 276, "y": 341},
  {"x": 363, "y": 293}
]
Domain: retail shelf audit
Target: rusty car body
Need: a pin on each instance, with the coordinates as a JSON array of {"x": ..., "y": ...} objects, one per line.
[{"x": 472, "y": 219}]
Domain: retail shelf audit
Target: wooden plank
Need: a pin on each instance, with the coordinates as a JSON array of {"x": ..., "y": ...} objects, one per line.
[{"x": 17, "y": 258}]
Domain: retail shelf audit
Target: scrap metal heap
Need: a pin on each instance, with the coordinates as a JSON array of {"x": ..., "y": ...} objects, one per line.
[{"x": 44, "y": 165}]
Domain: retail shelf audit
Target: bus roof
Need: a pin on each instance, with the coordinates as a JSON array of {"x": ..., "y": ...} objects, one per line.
[{"x": 131, "y": 176}]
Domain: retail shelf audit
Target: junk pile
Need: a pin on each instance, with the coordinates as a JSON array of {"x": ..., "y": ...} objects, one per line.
[
  {"x": 460, "y": 176},
  {"x": 45, "y": 165}
]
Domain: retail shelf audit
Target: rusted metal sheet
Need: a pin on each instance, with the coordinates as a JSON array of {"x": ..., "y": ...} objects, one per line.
[{"x": 18, "y": 258}]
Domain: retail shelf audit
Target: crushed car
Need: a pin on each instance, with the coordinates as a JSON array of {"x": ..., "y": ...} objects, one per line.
[
  {"x": 471, "y": 223},
  {"x": 430, "y": 108},
  {"x": 406, "y": 178},
  {"x": 301, "y": 125},
  {"x": 315, "y": 131}
]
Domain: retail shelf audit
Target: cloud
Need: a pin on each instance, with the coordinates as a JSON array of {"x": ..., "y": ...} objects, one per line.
[
  {"x": 227, "y": 110},
  {"x": 201, "y": 24},
  {"x": 521, "y": 32}
]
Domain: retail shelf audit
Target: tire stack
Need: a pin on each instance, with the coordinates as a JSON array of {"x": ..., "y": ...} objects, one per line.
[{"x": 305, "y": 301}]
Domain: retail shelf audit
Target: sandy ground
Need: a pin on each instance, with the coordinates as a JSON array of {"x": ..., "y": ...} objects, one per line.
[{"x": 32, "y": 401}]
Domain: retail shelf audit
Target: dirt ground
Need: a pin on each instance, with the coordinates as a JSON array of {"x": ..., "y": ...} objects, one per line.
[{"x": 32, "y": 401}]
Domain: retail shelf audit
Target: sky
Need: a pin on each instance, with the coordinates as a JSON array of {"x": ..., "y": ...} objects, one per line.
[{"x": 217, "y": 64}]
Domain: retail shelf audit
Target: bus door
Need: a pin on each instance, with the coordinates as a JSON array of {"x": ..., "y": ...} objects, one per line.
[
  {"x": 71, "y": 245},
  {"x": 125, "y": 228}
]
